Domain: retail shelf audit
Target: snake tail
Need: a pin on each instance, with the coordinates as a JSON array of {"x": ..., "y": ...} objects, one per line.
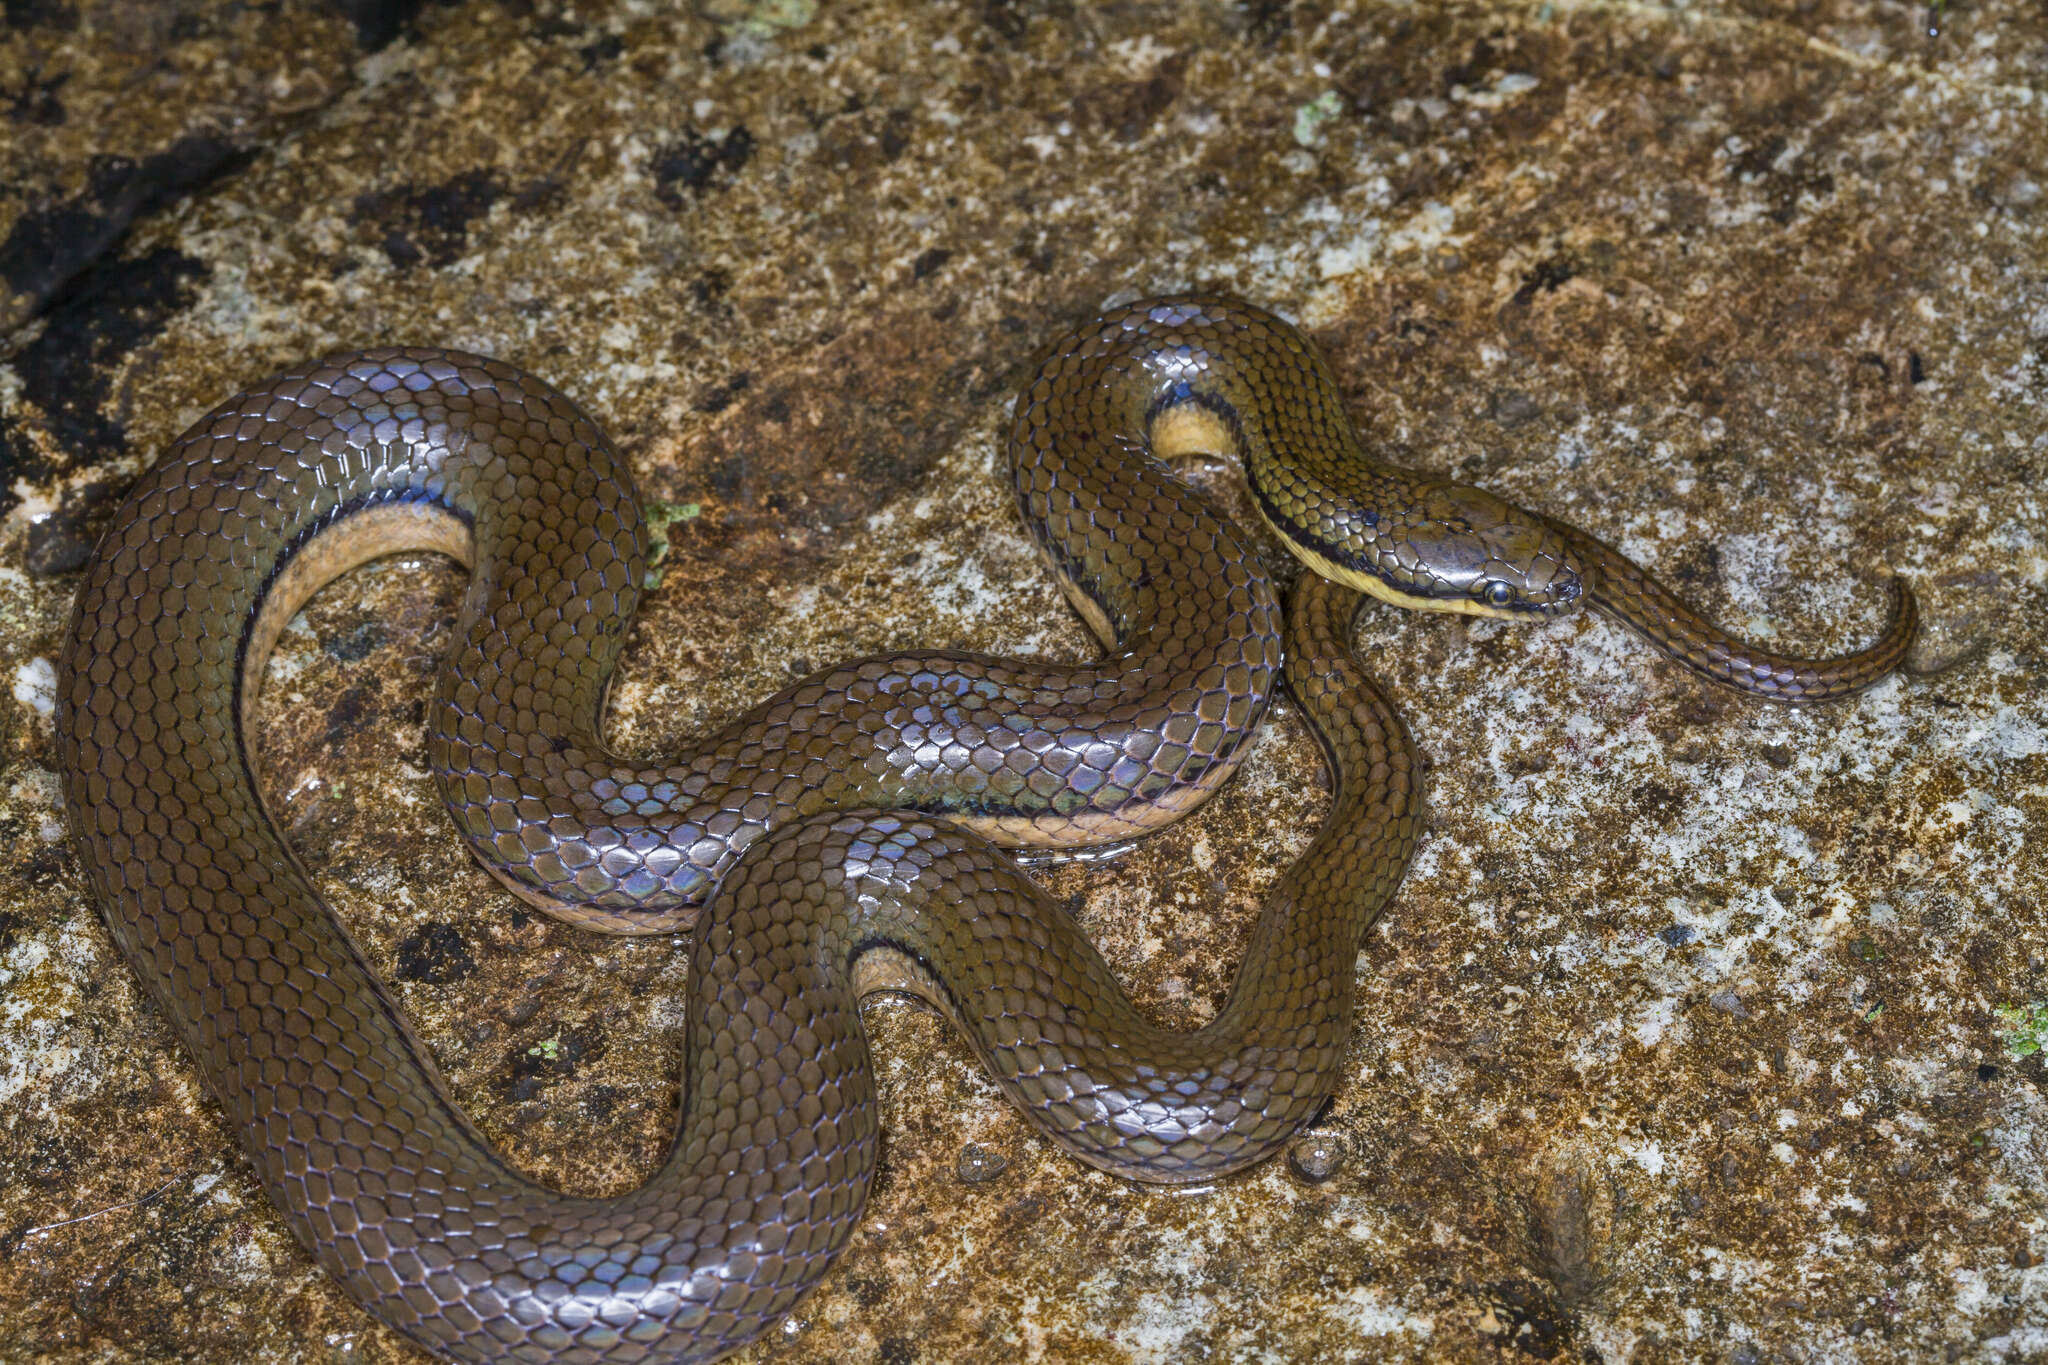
[{"x": 1626, "y": 592}]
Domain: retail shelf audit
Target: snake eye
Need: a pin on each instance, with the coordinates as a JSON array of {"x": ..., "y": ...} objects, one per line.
[{"x": 1499, "y": 594}]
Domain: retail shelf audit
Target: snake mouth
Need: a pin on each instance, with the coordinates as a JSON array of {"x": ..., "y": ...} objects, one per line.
[{"x": 1562, "y": 589}]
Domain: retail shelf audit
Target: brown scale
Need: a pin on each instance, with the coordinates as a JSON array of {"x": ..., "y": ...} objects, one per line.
[{"x": 844, "y": 823}]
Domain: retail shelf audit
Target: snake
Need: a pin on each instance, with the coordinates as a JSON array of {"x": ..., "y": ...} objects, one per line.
[{"x": 848, "y": 835}]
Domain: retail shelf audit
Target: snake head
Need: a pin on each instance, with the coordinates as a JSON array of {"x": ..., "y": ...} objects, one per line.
[{"x": 1465, "y": 550}]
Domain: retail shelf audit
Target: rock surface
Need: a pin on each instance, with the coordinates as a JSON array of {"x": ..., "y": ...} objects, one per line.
[{"x": 1702, "y": 1029}]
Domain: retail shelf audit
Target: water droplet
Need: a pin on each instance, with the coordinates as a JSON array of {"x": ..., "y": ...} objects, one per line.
[
  {"x": 978, "y": 1165},
  {"x": 1315, "y": 1157}
]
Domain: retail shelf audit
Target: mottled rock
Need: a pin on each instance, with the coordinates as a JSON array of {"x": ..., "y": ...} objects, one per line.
[{"x": 1754, "y": 291}]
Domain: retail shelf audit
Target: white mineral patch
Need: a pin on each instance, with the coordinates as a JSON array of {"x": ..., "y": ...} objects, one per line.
[
  {"x": 1370, "y": 1313},
  {"x": 1657, "y": 1019},
  {"x": 1647, "y": 1155},
  {"x": 39, "y": 993},
  {"x": 35, "y": 685},
  {"x": 1159, "y": 1324}
]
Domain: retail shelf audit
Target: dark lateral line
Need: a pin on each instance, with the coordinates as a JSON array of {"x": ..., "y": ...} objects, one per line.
[{"x": 338, "y": 513}]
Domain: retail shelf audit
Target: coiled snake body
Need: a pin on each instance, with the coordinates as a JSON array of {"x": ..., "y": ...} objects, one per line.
[{"x": 841, "y": 830}]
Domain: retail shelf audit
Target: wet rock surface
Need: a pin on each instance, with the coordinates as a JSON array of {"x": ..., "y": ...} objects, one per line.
[{"x": 1701, "y": 1030}]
